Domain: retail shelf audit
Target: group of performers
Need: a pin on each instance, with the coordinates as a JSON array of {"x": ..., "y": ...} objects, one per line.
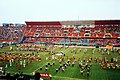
[
  {"x": 18, "y": 59},
  {"x": 22, "y": 60}
]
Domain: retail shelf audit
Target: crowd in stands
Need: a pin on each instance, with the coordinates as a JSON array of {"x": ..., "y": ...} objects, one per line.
[
  {"x": 105, "y": 42},
  {"x": 16, "y": 34},
  {"x": 11, "y": 33},
  {"x": 55, "y": 31}
]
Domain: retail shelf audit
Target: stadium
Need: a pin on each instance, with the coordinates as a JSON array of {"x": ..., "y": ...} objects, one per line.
[{"x": 60, "y": 50}]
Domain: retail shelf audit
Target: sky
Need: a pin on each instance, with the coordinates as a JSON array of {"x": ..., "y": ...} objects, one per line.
[{"x": 19, "y": 11}]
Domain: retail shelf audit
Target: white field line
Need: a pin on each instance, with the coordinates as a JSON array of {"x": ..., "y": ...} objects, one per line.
[
  {"x": 17, "y": 72},
  {"x": 42, "y": 65},
  {"x": 69, "y": 78}
]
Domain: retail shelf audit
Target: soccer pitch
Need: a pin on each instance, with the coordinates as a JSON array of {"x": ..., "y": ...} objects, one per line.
[{"x": 72, "y": 71}]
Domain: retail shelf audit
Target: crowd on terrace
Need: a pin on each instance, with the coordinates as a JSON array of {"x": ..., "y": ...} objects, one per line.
[
  {"x": 60, "y": 31},
  {"x": 11, "y": 33},
  {"x": 53, "y": 31}
]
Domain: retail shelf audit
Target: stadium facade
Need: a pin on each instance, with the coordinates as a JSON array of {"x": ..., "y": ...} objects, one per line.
[{"x": 84, "y": 32}]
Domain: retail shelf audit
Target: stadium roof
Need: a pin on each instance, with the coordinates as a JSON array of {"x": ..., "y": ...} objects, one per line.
[
  {"x": 96, "y": 22},
  {"x": 107, "y": 22},
  {"x": 42, "y": 23}
]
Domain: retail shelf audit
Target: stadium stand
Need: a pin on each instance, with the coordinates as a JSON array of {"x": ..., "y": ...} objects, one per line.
[
  {"x": 12, "y": 34},
  {"x": 104, "y": 31},
  {"x": 99, "y": 30}
]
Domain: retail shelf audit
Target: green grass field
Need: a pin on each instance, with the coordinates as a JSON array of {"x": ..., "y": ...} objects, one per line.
[{"x": 71, "y": 72}]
